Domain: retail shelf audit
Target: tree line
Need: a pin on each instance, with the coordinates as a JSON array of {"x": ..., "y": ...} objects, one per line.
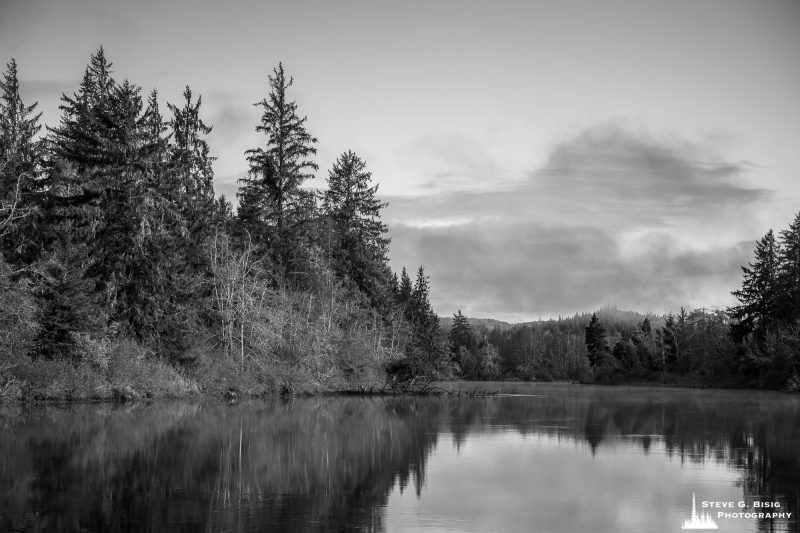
[
  {"x": 111, "y": 233},
  {"x": 755, "y": 343}
]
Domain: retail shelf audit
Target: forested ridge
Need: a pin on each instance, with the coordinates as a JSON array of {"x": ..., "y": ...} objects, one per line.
[{"x": 122, "y": 274}]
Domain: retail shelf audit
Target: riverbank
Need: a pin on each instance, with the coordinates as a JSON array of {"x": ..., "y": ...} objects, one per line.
[
  {"x": 131, "y": 378},
  {"x": 125, "y": 371}
]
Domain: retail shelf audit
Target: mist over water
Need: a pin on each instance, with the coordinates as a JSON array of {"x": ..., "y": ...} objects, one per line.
[{"x": 543, "y": 458}]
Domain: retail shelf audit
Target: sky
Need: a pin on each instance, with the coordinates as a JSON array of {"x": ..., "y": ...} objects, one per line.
[{"x": 539, "y": 158}]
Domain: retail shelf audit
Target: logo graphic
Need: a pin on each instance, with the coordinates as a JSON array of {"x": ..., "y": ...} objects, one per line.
[{"x": 697, "y": 521}]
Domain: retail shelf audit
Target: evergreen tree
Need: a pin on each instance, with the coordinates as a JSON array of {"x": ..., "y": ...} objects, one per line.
[
  {"x": 197, "y": 216},
  {"x": 20, "y": 157},
  {"x": 109, "y": 188},
  {"x": 18, "y": 124},
  {"x": 596, "y": 339},
  {"x": 75, "y": 182},
  {"x": 759, "y": 293},
  {"x": 78, "y": 174},
  {"x": 192, "y": 165},
  {"x": 425, "y": 350},
  {"x": 359, "y": 246},
  {"x": 462, "y": 343},
  {"x": 625, "y": 352},
  {"x": 682, "y": 333},
  {"x": 223, "y": 218},
  {"x": 67, "y": 304},
  {"x": 461, "y": 333},
  {"x": 120, "y": 263},
  {"x": 669, "y": 343},
  {"x": 404, "y": 290},
  {"x": 788, "y": 290},
  {"x": 646, "y": 328},
  {"x": 176, "y": 207},
  {"x": 271, "y": 201}
]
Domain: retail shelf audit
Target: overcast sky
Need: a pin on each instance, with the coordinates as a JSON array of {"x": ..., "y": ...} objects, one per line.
[{"x": 540, "y": 158}]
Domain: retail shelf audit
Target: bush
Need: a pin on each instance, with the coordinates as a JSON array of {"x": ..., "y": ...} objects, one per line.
[{"x": 118, "y": 369}]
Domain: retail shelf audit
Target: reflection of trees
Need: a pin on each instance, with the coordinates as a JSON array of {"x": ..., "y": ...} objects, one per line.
[
  {"x": 758, "y": 438},
  {"x": 322, "y": 464},
  {"x": 313, "y": 465}
]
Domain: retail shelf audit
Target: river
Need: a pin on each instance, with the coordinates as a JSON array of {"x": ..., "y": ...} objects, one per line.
[{"x": 538, "y": 457}]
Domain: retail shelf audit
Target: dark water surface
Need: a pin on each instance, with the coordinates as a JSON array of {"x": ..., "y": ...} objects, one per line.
[{"x": 545, "y": 458}]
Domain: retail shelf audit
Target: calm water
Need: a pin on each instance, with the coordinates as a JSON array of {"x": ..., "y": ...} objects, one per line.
[{"x": 545, "y": 458}]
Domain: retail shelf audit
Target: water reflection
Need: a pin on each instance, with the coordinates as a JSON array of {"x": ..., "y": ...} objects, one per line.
[{"x": 564, "y": 459}]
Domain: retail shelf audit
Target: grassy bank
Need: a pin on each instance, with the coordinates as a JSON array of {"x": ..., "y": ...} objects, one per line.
[{"x": 124, "y": 370}]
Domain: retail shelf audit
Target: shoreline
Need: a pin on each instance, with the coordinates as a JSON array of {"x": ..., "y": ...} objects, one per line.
[{"x": 123, "y": 394}]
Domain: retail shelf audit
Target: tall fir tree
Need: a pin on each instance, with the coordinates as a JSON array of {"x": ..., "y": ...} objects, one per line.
[
  {"x": 759, "y": 294},
  {"x": 404, "y": 290},
  {"x": 20, "y": 161},
  {"x": 192, "y": 164},
  {"x": 669, "y": 342},
  {"x": 646, "y": 328},
  {"x": 72, "y": 300},
  {"x": 105, "y": 189},
  {"x": 173, "y": 221},
  {"x": 76, "y": 176},
  {"x": 461, "y": 334},
  {"x": 426, "y": 351},
  {"x": 191, "y": 191},
  {"x": 596, "y": 340},
  {"x": 271, "y": 200},
  {"x": 358, "y": 245},
  {"x": 788, "y": 290}
]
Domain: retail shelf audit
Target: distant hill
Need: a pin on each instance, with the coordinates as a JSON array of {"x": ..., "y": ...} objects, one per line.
[
  {"x": 489, "y": 323},
  {"x": 615, "y": 319}
]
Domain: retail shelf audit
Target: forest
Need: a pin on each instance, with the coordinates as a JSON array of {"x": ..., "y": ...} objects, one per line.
[
  {"x": 123, "y": 275},
  {"x": 755, "y": 344}
]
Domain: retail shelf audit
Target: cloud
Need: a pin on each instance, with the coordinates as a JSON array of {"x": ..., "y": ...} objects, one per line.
[
  {"x": 454, "y": 161},
  {"x": 609, "y": 175},
  {"x": 614, "y": 161},
  {"x": 525, "y": 270},
  {"x": 614, "y": 216}
]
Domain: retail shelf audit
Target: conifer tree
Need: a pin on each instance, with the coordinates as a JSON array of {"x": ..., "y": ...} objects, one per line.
[
  {"x": 67, "y": 302},
  {"x": 223, "y": 218},
  {"x": 108, "y": 165},
  {"x": 404, "y": 291},
  {"x": 192, "y": 164},
  {"x": 20, "y": 158},
  {"x": 596, "y": 339},
  {"x": 76, "y": 176},
  {"x": 646, "y": 328},
  {"x": 198, "y": 215},
  {"x": 359, "y": 246},
  {"x": 18, "y": 124},
  {"x": 75, "y": 182},
  {"x": 461, "y": 333},
  {"x": 788, "y": 290},
  {"x": 759, "y": 293},
  {"x": 170, "y": 243},
  {"x": 425, "y": 353},
  {"x": 271, "y": 200},
  {"x": 669, "y": 342}
]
